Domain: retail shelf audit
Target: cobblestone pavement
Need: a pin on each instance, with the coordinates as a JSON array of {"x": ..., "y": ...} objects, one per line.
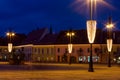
[{"x": 41, "y": 71}]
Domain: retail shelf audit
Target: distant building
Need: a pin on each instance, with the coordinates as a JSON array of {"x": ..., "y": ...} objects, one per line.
[{"x": 43, "y": 46}]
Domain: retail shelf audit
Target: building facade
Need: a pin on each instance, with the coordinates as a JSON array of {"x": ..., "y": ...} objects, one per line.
[
  {"x": 59, "y": 53},
  {"x": 4, "y": 54}
]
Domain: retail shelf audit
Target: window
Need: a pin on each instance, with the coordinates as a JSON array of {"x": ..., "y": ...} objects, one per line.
[
  {"x": 88, "y": 50},
  {"x": 35, "y": 50},
  {"x": 51, "y": 50},
  {"x": 105, "y": 49},
  {"x": 58, "y": 50},
  {"x": 81, "y": 50},
  {"x": 22, "y": 48},
  {"x": 5, "y": 50},
  {"x": 0, "y": 50},
  {"x": 38, "y": 50},
  {"x": 52, "y": 58},
  {"x": 42, "y": 51},
  {"x": 96, "y": 50},
  {"x": 38, "y": 58},
  {"x": 47, "y": 50},
  {"x": 66, "y": 50}
]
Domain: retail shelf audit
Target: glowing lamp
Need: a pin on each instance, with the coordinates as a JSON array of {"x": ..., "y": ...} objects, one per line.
[
  {"x": 109, "y": 44},
  {"x": 10, "y": 34},
  {"x": 13, "y": 34},
  {"x": 110, "y": 26},
  {"x": 10, "y": 47},
  {"x": 91, "y": 30},
  {"x": 70, "y": 34},
  {"x": 7, "y": 33},
  {"x": 70, "y": 48},
  {"x": 114, "y": 59},
  {"x": 119, "y": 58}
]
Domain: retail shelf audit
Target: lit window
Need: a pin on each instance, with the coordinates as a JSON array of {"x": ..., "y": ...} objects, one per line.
[
  {"x": 52, "y": 58},
  {"x": 47, "y": 58},
  {"x": 88, "y": 58},
  {"x": 5, "y": 57},
  {"x": 38, "y": 58}
]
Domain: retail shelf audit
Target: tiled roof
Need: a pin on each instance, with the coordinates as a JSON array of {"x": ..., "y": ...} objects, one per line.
[
  {"x": 48, "y": 39},
  {"x": 35, "y": 36},
  {"x": 43, "y": 37}
]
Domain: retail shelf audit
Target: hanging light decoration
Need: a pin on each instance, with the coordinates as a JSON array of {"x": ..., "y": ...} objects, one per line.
[
  {"x": 70, "y": 48},
  {"x": 109, "y": 44},
  {"x": 10, "y": 47},
  {"x": 91, "y": 30}
]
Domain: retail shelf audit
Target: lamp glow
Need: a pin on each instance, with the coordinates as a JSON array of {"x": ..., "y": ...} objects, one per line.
[
  {"x": 109, "y": 44},
  {"x": 13, "y": 34},
  {"x": 119, "y": 58},
  {"x": 7, "y": 34},
  {"x": 10, "y": 47},
  {"x": 110, "y": 26},
  {"x": 70, "y": 48},
  {"x": 91, "y": 30}
]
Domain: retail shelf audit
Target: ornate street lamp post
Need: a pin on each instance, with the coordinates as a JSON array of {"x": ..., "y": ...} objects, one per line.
[
  {"x": 70, "y": 34},
  {"x": 91, "y": 32},
  {"x": 10, "y": 45},
  {"x": 109, "y": 27}
]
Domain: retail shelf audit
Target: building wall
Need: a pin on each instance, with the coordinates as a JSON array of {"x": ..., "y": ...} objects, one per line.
[
  {"x": 27, "y": 50},
  {"x": 80, "y": 52},
  {"x": 4, "y": 54},
  {"x": 43, "y": 53},
  {"x": 59, "y": 53}
]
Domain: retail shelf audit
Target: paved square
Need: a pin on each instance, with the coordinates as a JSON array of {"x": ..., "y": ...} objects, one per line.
[{"x": 41, "y": 71}]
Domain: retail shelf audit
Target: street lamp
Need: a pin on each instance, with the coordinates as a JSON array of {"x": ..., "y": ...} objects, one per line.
[
  {"x": 91, "y": 32},
  {"x": 109, "y": 27},
  {"x": 10, "y": 45},
  {"x": 70, "y": 34}
]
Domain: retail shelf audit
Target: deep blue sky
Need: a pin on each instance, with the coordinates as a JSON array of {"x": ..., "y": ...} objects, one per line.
[{"x": 25, "y": 15}]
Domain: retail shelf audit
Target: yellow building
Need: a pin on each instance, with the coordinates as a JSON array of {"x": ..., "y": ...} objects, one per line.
[{"x": 38, "y": 53}]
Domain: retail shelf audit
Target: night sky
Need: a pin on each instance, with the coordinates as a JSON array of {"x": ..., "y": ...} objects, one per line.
[{"x": 22, "y": 16}]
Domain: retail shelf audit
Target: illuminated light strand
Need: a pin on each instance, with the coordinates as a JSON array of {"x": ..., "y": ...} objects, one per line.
[
  {"x": 109, "y": 44},
  {"x": 70, "y": 48},
  {"x": 91, "y": 30},
  {"x": 10, "y": 47}
]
